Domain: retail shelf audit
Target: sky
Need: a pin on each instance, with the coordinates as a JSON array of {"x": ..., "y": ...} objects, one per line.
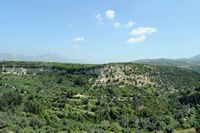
[{"x": 99, "y": 31}]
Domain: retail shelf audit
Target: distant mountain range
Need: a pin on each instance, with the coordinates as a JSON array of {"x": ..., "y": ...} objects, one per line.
[
  {"x": 192, "y": 63},
  {"x": 196, "y": 58},
  {"x": 44, "y": 58}
]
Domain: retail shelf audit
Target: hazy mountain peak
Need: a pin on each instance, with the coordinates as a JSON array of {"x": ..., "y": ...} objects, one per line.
[
  {"x": 48, "y": 57},
  {"x": 196, "y": 58}
]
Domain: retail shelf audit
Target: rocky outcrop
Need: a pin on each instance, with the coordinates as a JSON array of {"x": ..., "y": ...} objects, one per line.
[
  {"x": 28, "y": 70},
  {"x": 13, "y": 70},
  {"x": 122, "y": 75}
]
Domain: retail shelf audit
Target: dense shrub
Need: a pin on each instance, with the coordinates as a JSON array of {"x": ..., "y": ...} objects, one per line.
[
  {"x": 34, "y": 107},
  {"x": 36, "y": 123},
  {"x": 79, "y": 82},
  {"x": 10, "y": 100}
]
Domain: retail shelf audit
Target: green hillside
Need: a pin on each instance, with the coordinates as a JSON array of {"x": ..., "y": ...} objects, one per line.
[
  {"x": 121, "y": 97},
  {"x": 188, "y": 63}
]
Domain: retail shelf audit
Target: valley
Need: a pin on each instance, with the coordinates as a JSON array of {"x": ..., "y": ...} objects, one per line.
[{"x": 116, "y": 97}]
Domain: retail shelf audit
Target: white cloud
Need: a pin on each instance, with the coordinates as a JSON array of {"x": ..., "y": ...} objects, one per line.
[
  {"x": 130, "y": 23},
  {"x": 110, "y": 14},
  {"x": 117, "y": 25},
  {"x": 143, "y": 31},
  {"x": 79, "y": 39},
  {"x": 99, "y": 19},
  {"x": 136, "y": 39}
]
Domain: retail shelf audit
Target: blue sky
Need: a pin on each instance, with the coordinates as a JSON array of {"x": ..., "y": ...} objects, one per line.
[{"x": 99, "y": 31}]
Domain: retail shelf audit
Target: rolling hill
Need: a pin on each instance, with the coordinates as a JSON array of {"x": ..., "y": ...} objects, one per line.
[
  {"x": 192, "y": 63},
  {"x": 117, "y": 97}
]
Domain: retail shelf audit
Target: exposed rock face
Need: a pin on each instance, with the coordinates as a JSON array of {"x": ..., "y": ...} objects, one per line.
[
  {"x": 22, "y": 71},
  {"x": 95, "y": 71},
  {"x": 122, "y": 75},
  {"x": 28, "y": 70},
  {"x": 114, "y": 74},
  {"x": 14, "y": 70}
]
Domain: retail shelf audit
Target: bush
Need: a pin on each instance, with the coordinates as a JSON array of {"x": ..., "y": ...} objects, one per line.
[
  {"x": 33, "y": 107},
  {"x": 85, "y": 101},
  {"x": 79, "y": 82},
  {"x": 116, "y": 127},
  {"x": 36, "y": 123},
  {"x": 168, "y": 130},
  {"x": 105, "y": 124},
  {"x": 24, "y": 123},
  {"x": 10, "y": 100},
  {"x": 2, "y": 124}
]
